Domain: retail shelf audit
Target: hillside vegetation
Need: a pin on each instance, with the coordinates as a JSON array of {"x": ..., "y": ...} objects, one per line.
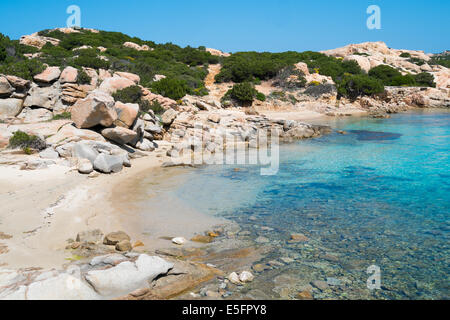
[{"x": 186, "y": 68}]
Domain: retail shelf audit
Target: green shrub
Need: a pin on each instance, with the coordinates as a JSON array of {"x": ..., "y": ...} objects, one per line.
[
  {"x": 25, "y": 69},
  {"x": 405, "y": 55},
  {"x": 424, "y": 79},
  {"x": 405, "y": 81},
  {"x": 83, "y": 77},
  {"x": 155, "y": 106},
  {"x": 245, "y": 93},
  {"x": 25, "y": 142},
  {"x": 384, "y": 73},
  {"x": 353, "y": 86},
  {"x": 283, "y": 78},
  {"x": 171, "y": 87},
  {"x": 417, "y": 61},
  {"x": 260, "y": 96},
  {"x": 131, "y": 94},
  {"x": 62, "y": 116}
]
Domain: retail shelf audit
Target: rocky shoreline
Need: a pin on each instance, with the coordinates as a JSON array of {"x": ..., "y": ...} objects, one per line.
[{"x": 80, "y": 132}]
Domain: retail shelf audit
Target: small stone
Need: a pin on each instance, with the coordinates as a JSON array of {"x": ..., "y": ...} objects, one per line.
[
  {"x": 90, "y": 236},
  {"x": 213, "y": 294},
  {"x": 321, "y": 285},
  {"x": 202, "y": 239},
  {"x": 259, "y": 268},
  {"x": 75, "y": 245},
  {"x": 113, "y": 238},
  {"x": 234, "y": 278},
  {"x": 179, "y": 241},
  {"x": 298, "y": 237},
  {"x": 124, "y": 245},
  {"x": 287, "y": 260},
  {"x": 262, "y": 240},
  {"x": 85, "y": 166},
  {"x": 246, "y": 276},
  {"x": 140, "y": 292},
  {"x": 333, "y": 282},
  {"x": 213, "y": 234},
  {"x": 138, "y": 244},
  {"x": 305, "y": 295}
]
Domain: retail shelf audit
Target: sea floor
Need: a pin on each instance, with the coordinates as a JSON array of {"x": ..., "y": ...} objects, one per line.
[{"x": 376, "y": 195}]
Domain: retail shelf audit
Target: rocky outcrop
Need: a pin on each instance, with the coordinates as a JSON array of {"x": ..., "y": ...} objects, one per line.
[
  {"x": 10, "y": 107},
  {"x": 48, "y": 75},
  {"x": 95, "y": 109},
  {"x": 137, "y": 47},
  {"x": 113, "y": 84},
  {"x": 119, "y": 135},
  {"x": 69, "y": 74},
  {"x": 165, "y": 102},
  {"x": 126, "y": 114},
  {"x": 45, "y": 97},
  {"x": 34, "y": 40},
  {"x": 105, "y": 277}
]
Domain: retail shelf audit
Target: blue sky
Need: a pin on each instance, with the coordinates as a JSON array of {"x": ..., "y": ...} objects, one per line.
[{"x": 242, "y": 25}]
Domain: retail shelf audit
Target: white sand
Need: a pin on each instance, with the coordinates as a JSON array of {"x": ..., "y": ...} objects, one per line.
[{"x": 42, "y": 209}]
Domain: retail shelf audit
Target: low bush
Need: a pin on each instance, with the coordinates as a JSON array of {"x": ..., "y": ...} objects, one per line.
[
  {"x": 26, "y": 142},
  {"x": 405, "y": 55},
  {"x": 320, "y": 89},
  {"x": 245, "y": 93},
  {"x": 131, "y": 94},
  {"x": 424, "y": 79},
  {"x": 290, "y": 78},
  {"x": 145, "y": 106},
  {"x": 353, "y": 86},
  {"x": 83, "y": 77},
  {"x": 25, "y": 69},
  {"x": 62, "y": 116},
  {"x": 171, "y": 87}
]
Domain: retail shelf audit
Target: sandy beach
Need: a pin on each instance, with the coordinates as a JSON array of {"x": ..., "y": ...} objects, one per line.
[{"x": 43, "y": 209}]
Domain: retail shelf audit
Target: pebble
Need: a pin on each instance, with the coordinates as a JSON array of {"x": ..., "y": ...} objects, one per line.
[
  {"x": 305, "y": 295},
  {"x": 321, "y": 285},
  {"x": 262, "y": 240},
  {"x": 179, "y": 241},
  {"x": 246, "y": 276},
  {"x": 234, "y": 278},
  {"x": 333, "y": 282}
]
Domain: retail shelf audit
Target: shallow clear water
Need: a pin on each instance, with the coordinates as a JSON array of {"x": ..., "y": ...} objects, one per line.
[{"x": 379, "y": 195}]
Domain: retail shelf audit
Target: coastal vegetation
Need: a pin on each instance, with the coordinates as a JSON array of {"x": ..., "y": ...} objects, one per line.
[{"x": 26, "y": 142}]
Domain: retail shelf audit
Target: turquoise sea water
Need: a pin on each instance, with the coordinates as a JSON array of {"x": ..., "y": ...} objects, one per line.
[{"x": 378, "y": 195}]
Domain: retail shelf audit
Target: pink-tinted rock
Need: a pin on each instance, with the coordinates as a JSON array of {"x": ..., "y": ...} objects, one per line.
[
  {"x": 363, "y": 62},
  {"x": 96, "y": 109},
  {"x": 48, "y": 75},
  {"x": 17, "y": 82},
  {"x": 37, "y": 41},
  {"x": 104, "y": 74},
  {"x": 303, "y": 67},
  {"x": 126, "y": 114},
  {"x": 131, "y": 76},
  {"x": 112, "y": 85},
  {"x": 5, "y": 87},
  {"x": 69, "y": 133},
  {"x": 137, "y": 47},
  {"x": 69, "y": 74},
  {"x": 165, "y": 102},
  {"x": 119, "y": 135}
]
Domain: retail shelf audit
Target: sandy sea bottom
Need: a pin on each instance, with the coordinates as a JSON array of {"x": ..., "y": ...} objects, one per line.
[{"x": 378, "y": 195}]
